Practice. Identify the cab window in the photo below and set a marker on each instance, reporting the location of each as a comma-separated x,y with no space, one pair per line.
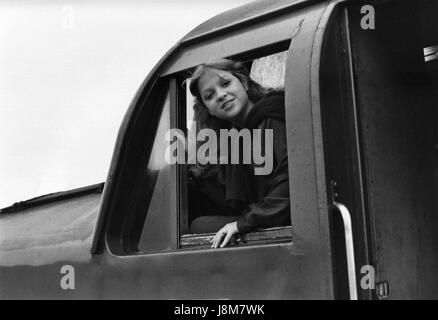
163,222
268,71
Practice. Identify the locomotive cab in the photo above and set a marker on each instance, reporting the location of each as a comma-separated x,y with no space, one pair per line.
361,130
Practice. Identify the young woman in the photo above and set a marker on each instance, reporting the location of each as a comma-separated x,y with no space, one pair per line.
229,199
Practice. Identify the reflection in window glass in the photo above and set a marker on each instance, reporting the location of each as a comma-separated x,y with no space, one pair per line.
269,71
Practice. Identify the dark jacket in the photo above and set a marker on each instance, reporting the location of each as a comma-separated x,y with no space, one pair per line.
267,196
257,201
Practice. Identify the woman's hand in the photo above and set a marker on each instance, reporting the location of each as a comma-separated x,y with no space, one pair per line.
228,231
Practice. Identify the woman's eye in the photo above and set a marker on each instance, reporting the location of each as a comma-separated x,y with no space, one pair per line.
208,96
225,83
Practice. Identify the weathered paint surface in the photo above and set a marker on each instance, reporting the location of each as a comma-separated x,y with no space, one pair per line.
398,111
49,233
259,272
268,272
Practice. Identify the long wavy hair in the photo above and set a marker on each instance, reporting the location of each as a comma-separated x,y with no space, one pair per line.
201,114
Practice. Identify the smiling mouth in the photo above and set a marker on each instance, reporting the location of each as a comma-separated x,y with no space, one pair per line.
227,104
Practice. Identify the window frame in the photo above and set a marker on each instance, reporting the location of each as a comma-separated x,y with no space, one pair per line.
239,44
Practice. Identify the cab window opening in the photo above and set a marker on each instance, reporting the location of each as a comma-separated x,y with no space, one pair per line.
162,220
206,209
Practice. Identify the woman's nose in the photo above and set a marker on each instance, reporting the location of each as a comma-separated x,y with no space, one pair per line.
221,95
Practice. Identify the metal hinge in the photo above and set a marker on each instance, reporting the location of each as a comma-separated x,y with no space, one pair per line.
382,289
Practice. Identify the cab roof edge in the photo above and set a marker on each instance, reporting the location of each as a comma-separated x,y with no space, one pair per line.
53,197
239,23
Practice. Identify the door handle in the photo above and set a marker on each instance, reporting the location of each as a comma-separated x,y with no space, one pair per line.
346,218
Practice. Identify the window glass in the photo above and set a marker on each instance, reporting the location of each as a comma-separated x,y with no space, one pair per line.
157,233
269,71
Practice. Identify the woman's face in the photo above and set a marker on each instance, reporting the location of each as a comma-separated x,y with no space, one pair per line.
224,95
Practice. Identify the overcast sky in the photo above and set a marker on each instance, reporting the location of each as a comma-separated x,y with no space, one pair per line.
68,71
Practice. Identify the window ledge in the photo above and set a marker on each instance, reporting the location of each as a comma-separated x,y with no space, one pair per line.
263,236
